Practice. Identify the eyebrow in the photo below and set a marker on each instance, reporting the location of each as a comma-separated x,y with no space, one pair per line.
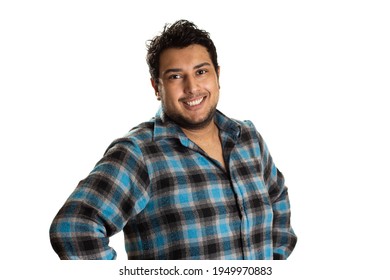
174,70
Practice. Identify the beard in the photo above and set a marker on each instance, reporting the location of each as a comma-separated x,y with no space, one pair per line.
189,124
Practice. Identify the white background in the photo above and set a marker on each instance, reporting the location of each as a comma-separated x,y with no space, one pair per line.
312,75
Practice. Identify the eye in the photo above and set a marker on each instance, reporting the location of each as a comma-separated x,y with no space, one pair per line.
201,72
174,77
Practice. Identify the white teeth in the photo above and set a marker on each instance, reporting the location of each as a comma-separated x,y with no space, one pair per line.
195,102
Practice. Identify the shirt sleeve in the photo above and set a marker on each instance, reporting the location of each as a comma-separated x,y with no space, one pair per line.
283,236
101,205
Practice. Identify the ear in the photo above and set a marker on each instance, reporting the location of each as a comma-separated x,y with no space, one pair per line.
218,72
155,87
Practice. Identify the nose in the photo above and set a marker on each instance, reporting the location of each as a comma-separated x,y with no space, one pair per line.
191,85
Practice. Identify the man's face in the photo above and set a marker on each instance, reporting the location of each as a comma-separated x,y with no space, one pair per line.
188,86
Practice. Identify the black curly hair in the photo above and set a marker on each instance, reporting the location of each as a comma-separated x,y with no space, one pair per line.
180,34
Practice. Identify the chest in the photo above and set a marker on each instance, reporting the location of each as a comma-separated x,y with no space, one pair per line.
186,187
177,168
214,151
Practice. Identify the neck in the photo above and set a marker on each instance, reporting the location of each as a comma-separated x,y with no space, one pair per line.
206,133
208,140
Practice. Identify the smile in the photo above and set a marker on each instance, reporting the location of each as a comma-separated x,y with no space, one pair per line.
194,102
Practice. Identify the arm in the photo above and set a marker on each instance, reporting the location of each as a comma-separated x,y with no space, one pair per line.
283,236
101,205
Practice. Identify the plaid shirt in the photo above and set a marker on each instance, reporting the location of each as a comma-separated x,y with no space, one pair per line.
175,202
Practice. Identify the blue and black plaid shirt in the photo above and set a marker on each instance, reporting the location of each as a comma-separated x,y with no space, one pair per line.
175,202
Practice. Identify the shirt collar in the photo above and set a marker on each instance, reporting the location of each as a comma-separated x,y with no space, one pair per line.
165,128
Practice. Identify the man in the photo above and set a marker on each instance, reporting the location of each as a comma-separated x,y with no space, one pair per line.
190,183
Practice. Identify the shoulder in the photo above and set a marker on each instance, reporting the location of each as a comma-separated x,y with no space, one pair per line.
141,133
248,130
245,124
251,137
137,137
